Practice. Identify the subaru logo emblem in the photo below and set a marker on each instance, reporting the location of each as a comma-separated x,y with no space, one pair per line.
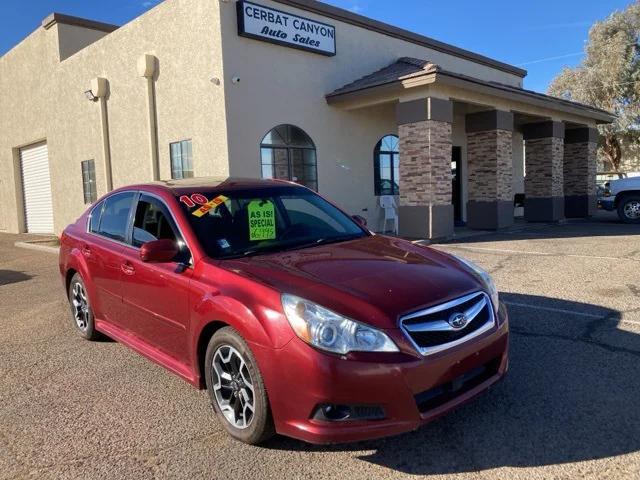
458,321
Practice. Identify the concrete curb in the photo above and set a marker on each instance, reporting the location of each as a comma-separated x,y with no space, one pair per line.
35,246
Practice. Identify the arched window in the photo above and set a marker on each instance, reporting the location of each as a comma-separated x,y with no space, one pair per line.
288,153
386,164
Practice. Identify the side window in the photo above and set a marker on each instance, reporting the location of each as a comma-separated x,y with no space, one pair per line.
181,159
94,219
151,223
288,153
386,166
115,216
89,181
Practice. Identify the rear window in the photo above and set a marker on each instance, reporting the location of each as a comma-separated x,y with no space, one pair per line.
94,218
115,216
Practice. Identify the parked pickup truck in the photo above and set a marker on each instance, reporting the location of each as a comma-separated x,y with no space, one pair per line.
624,196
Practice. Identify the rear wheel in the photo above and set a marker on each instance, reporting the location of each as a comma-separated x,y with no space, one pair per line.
629,209
83,319
236,388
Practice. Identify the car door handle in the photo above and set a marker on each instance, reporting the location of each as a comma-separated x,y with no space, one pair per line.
86,250
127,268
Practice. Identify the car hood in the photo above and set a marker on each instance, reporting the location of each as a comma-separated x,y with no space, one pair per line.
374,279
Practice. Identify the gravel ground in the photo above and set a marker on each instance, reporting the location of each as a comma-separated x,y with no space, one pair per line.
568,408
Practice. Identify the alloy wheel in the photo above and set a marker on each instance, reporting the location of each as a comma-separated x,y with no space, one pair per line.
632,209
80,307
233,386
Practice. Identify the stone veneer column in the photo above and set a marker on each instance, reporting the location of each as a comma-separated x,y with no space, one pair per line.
425,208
544,183
580,147
490,169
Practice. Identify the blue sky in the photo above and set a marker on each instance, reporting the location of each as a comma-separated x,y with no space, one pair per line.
541,36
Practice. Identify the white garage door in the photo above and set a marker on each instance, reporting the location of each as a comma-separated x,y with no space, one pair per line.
36,185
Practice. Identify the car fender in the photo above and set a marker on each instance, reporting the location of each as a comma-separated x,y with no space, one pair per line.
259,326
75,261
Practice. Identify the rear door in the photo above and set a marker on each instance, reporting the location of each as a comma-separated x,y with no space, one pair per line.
102,249
156,295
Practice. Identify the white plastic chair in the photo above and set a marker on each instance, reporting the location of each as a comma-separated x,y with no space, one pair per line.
388,205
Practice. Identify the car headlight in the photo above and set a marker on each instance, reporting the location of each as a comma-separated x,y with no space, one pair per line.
329,331
484,278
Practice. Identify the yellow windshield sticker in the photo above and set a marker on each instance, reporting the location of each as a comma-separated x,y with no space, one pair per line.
262,220
207,207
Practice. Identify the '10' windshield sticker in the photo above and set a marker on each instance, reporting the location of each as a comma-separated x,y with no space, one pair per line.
262,224
205,205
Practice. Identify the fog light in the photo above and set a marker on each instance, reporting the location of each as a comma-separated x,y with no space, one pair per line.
333,413
330,412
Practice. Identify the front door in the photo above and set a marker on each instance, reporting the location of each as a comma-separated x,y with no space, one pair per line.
456,187
156,295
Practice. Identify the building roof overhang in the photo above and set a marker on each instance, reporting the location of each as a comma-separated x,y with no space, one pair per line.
61,18
407,73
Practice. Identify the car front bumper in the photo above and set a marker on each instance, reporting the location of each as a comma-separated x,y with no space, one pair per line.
411,390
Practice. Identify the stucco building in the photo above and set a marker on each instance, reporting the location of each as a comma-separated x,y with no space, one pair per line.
294,89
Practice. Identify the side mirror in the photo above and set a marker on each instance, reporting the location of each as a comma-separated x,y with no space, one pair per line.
360,220
159,251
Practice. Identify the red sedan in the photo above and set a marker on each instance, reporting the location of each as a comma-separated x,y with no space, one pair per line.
294,317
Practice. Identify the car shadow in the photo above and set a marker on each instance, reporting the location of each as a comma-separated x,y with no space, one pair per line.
570,395
12,276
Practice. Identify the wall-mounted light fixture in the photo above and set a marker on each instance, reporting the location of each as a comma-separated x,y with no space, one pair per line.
90,96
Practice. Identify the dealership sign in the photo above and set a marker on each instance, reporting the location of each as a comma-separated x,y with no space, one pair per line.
275,26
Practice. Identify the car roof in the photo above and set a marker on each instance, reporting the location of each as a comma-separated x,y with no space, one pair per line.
188,185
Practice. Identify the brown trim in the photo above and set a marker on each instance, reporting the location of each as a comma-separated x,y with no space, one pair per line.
440,110
489,120
411,112
580,206
544,209
430,108
399,33
548,129
426,221
489,215
54,18
581,135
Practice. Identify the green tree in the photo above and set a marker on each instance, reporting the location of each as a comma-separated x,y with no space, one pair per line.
609,78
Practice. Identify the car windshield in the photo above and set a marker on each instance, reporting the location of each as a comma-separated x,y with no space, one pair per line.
241,223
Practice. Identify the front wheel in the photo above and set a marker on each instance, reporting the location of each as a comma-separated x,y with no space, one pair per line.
236,388
629,209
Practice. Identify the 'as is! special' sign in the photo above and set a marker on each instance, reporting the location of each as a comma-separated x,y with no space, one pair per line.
271,25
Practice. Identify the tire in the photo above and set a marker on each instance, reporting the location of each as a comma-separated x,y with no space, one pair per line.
629,209
81,312
228,354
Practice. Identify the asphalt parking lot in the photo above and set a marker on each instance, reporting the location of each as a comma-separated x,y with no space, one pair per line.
568,408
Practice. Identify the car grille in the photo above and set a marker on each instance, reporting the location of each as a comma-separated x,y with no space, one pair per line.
435,329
